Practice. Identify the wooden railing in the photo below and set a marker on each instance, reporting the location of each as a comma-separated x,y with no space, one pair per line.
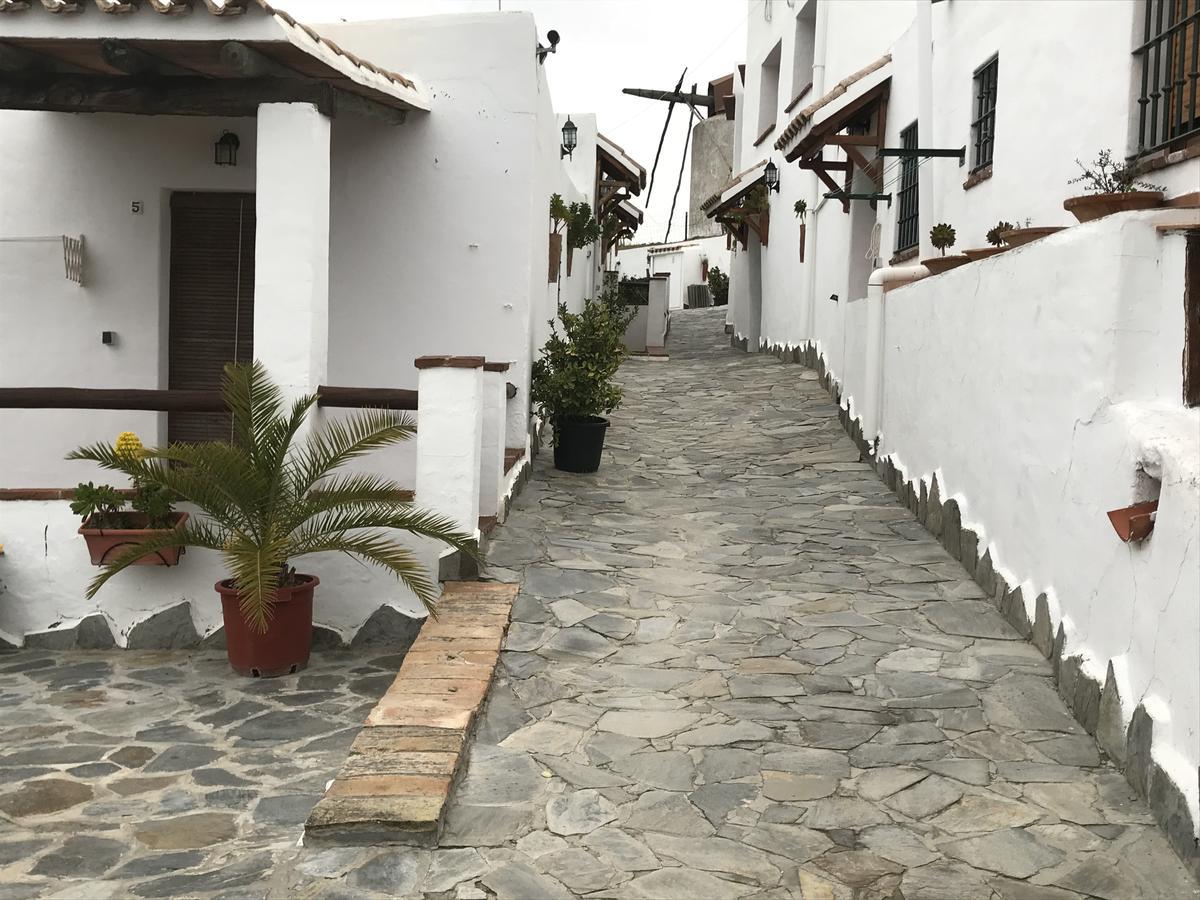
195,401
187,401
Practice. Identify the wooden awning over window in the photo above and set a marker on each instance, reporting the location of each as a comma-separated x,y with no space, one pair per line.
184,57
727,206
851,117
835,110
735,190
618,176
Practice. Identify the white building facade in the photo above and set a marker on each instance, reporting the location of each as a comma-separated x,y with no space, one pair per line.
1036,389
389,203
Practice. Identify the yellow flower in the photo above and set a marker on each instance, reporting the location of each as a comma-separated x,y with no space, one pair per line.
130,445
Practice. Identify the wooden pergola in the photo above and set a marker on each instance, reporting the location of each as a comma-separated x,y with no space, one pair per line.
185,58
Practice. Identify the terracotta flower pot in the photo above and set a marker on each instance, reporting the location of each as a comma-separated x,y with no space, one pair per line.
1096,206
106,544
979,253
1021,236
1134,523
939,264
284,648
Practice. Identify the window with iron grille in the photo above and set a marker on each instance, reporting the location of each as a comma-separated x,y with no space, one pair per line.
1169,100
907,219
983,128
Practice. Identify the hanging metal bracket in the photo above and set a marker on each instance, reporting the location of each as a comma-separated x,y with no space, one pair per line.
72,251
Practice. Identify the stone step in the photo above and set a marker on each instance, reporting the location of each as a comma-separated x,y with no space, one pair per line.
397,778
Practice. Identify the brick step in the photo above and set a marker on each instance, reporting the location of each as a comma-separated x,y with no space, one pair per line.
512,456
396,780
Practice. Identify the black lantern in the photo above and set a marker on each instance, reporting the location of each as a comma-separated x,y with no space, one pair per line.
570,139
225,149
771,175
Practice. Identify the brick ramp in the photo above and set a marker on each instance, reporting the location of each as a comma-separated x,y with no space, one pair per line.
395,783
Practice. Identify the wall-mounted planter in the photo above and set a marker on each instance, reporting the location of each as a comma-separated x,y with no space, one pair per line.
555,256
106,544
1096,206
1020,236
979,253
1134,523
939,264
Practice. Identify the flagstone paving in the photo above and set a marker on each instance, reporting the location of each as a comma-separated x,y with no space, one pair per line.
739,669
163,774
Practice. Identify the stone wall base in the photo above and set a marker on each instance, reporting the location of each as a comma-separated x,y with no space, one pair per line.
1097,707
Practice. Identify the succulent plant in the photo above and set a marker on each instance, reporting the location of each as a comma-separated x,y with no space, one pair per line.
942,236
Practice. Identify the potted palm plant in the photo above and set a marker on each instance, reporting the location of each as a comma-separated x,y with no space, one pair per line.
1111,187
268,500
942,237
572,380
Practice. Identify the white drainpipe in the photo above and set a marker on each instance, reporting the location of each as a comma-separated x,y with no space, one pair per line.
926,136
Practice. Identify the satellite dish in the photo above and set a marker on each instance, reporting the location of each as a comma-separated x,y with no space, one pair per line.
552,37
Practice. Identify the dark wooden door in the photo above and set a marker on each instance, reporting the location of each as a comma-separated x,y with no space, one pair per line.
211,301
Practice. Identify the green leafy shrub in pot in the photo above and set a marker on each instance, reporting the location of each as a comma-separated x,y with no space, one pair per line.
573,375
1104,175
718,285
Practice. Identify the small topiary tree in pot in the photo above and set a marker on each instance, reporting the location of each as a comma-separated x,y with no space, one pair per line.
266,500
572,379
718,285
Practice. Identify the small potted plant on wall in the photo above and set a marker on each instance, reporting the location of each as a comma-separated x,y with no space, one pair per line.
267,502
995,240
108,528
1111,187
1027,234
800,208
572,379
558,218
942,237
582,229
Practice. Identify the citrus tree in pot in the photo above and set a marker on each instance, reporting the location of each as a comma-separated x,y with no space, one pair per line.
572,379
268,499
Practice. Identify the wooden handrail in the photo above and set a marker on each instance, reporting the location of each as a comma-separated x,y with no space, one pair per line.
107,398
362,398
194,400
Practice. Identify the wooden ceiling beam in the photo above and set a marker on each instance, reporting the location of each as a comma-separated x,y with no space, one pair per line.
183,95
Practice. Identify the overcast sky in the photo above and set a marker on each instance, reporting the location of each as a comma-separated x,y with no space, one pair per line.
607,45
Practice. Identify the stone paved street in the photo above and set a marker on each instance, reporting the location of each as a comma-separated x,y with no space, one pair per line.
739,669
162,774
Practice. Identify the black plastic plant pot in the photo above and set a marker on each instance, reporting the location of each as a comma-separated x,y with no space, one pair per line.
579,440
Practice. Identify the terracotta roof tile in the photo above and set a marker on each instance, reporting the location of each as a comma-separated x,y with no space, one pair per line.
805,115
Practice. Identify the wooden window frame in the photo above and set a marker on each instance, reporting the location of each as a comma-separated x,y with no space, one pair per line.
908,202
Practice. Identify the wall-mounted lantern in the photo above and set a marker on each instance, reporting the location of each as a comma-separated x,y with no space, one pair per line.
771,176
570,139
225,150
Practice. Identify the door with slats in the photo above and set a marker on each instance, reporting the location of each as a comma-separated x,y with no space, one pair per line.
211,304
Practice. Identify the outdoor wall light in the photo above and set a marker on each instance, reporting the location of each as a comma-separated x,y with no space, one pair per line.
771,174
225,149
570,139
552,38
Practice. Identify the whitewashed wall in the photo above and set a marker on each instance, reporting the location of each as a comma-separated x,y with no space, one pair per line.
1035,384
79,175
440,223
1036,399
438,245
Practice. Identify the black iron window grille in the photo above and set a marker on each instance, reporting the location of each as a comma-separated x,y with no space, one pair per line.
983,128
907,219
1169,102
